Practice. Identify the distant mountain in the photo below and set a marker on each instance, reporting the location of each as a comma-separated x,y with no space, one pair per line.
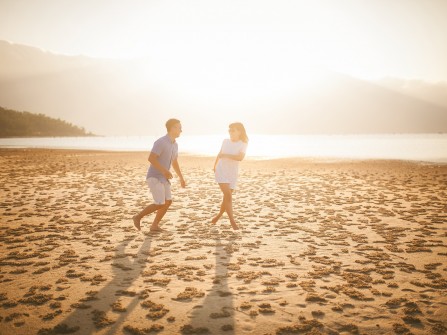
104,96
344,104
25,124
123,98
431,92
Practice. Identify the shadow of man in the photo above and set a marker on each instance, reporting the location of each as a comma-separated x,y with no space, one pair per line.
125,273
217,313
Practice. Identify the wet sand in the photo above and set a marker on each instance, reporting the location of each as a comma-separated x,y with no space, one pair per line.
326,247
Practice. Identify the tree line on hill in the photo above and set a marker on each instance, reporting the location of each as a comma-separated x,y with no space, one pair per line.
26,124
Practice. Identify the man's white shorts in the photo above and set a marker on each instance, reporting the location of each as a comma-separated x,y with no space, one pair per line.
160,191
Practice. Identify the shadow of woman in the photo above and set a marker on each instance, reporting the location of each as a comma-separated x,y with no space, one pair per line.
217,313
125,273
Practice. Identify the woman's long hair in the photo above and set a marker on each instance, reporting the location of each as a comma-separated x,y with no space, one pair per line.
240,127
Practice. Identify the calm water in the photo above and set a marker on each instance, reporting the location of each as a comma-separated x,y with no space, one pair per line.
420,147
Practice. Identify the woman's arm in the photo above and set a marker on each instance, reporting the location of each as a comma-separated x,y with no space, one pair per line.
217,159
237,157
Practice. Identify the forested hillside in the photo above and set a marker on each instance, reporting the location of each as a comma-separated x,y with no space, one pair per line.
25,124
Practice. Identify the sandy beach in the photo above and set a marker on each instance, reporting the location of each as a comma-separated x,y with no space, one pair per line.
325,247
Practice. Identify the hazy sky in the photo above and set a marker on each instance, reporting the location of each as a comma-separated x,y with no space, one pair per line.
233,39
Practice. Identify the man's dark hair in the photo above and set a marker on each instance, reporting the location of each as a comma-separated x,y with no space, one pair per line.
170,123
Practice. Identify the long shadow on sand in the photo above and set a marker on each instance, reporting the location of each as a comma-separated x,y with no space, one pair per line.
125,272
217,313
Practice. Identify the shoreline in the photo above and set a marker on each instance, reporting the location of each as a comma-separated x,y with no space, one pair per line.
295,159
411,147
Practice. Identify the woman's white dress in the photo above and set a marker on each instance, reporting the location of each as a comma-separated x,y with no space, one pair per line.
227,169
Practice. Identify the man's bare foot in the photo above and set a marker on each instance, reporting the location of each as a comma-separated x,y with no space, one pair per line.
136,222
156,229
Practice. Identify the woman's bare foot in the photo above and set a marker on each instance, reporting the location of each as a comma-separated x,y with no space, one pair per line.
136,222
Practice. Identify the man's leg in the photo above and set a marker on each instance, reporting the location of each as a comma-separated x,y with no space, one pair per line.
157,190
160,214
166,190
146,211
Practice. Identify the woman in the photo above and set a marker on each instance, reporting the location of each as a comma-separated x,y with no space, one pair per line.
226,168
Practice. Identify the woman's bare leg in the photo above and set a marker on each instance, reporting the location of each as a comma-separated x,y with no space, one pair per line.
228,203
219,215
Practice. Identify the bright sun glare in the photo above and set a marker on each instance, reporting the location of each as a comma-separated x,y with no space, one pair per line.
237,70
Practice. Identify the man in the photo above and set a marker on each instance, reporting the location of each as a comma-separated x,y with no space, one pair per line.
164,153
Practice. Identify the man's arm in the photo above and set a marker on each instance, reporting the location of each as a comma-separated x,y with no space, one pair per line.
153,159
177,170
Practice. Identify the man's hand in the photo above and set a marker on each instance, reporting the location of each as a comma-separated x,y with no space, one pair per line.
182,183
167,174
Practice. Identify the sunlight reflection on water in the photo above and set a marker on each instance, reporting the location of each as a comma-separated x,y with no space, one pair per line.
424,147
